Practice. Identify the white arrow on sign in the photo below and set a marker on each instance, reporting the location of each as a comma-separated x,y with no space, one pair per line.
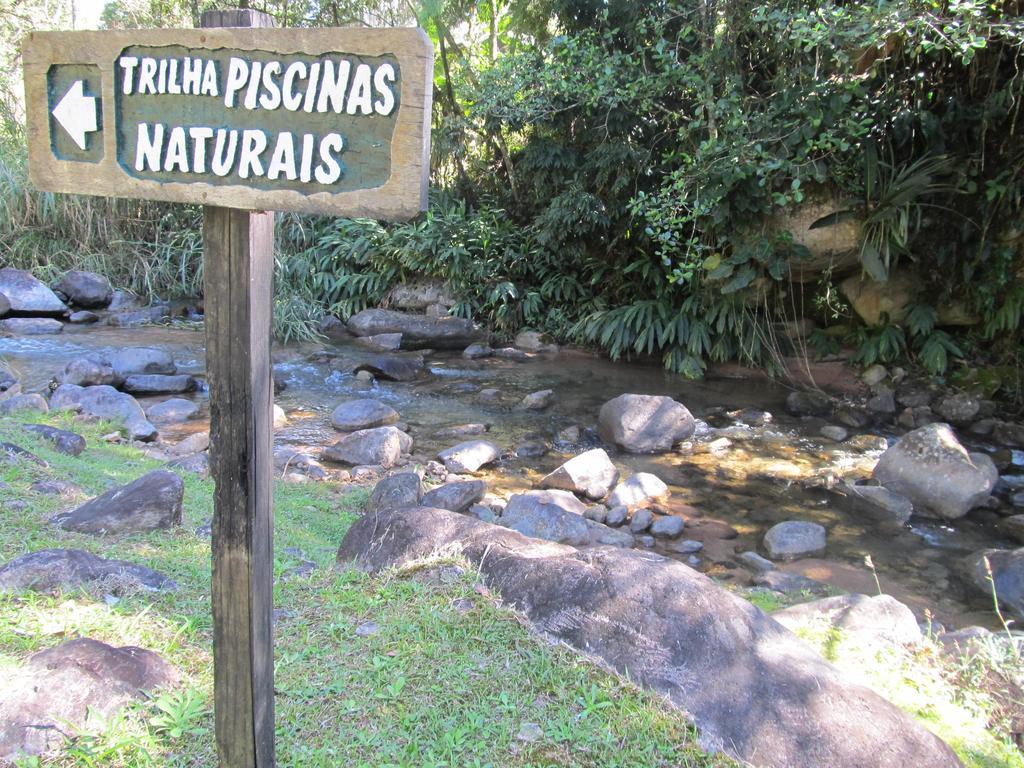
77,113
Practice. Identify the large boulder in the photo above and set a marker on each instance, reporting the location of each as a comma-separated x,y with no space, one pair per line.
644,423
85,289
590,473
173,411
28,296
398,491
552,515
31,326
33,402
50,569
143,360
469,456
158,384
367,413
416,330
455,497
1007,576
751,688
89,372
393,367
105,402
794,539
868,621
150,503
78,684
931,468
382,446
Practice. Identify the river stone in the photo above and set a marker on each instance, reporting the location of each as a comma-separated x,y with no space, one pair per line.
1007,573
590,473
154,314
397,491
194,443
456,497
868,621
156,384
76,685
535,341
83,317
382,446
668,527
931,468
89,372
794,539
641,520
880,501
392,367
196,464
477,351
809,403
173,411
755,562
50,569
31,326
1009,434
33,403
537,401
786,583
381,342
617,516
958,409
85,289
143,361
832,432
28,296
774,702
61,440
417,330
552,515
511,353
638,489
150,503
469,456
644,423
366,413
105,402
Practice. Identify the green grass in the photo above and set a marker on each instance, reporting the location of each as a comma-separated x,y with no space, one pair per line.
448,679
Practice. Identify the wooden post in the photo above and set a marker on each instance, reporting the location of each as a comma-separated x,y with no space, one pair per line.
238,264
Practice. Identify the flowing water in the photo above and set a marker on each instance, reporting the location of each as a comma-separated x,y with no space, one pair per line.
764,472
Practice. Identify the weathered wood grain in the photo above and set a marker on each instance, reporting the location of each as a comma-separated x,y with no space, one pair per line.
401,197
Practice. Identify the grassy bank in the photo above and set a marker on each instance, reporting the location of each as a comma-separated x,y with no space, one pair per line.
448,679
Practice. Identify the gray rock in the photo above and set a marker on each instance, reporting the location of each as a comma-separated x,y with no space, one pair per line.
477,351
531,449
470,456
881,502
50,569
638,489
85,289
535,341
668,527
489,396
958,409
641,520
24,403
61,440
590,473
381,342
794,539
365,413
537,401
31,326
809,404
685,547
1009,434
617,516
1007,576
105,402
682,632
912,396
157,384
932,469
122,300
852,417
597,512
867,443
787,583
392,367
486,514
196,464
288,461
155,314
833,433
416,330
78,682
644,423
756,562
398,491
382,446
868,621
602,535
173,411
5,305
194,443
511,353
455,497
28,296
89,372
138,361
15,454
83,317
874,375
883,404
552,515
152,502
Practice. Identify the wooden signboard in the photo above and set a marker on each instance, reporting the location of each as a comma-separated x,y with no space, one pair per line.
244,119
313,120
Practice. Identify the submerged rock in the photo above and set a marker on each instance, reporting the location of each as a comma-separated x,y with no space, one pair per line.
881,502
50,569
537,401
931,468
152,502
774,702
644,423
590,473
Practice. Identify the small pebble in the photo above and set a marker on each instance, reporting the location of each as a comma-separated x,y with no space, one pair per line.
367,628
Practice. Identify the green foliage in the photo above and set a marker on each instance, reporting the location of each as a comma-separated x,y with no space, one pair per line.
180,713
